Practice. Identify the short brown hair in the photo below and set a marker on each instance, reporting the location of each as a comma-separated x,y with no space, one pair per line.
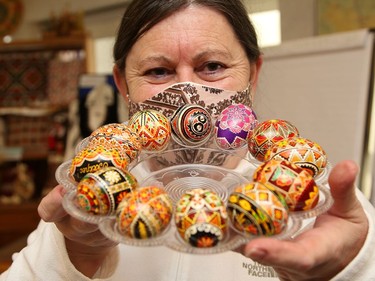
142,15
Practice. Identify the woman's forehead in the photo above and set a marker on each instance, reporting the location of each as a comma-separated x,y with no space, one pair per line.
195,30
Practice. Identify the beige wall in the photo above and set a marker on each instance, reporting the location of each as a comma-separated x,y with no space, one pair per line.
298,19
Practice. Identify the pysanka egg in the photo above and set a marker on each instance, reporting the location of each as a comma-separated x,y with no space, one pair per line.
233,126
297,185
267,133
254,209
300,151
191,125
144,213
103,153
99,193
123,134
201,218
153,128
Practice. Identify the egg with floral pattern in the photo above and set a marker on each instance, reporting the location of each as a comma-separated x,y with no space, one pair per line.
233,126
254,209
201,218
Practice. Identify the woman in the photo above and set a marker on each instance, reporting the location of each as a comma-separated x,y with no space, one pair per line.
208,42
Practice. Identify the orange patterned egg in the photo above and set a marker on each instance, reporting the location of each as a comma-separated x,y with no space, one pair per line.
104,153
153,128
121,133
144,213
267,133
201,218
257,210
300,151
99,193
294,183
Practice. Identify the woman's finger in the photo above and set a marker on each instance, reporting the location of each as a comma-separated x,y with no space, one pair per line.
50,208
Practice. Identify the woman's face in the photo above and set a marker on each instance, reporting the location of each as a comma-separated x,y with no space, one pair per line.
196,45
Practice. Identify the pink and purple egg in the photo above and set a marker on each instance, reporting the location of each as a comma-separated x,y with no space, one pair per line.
233,126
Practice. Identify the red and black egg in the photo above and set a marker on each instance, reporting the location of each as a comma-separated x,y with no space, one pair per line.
191,125
296,184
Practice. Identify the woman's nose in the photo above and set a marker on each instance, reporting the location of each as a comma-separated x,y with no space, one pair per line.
186,75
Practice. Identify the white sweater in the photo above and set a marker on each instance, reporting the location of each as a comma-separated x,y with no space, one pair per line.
46,259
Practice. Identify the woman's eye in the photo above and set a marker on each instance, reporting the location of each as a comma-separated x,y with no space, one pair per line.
211,68
157,72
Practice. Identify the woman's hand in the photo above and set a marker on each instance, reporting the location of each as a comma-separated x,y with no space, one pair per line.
86,246
322,252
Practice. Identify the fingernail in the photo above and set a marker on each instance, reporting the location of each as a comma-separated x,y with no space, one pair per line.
256,253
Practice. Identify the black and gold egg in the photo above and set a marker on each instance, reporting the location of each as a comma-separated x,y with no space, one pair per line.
99,193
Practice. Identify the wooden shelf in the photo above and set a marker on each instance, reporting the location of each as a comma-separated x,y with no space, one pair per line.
84,43
17,220
57,43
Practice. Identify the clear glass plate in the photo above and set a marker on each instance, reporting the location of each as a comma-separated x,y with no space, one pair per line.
325,202
178,171
63,178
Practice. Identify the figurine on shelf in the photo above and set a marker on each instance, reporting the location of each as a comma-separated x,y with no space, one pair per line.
65,24
22,186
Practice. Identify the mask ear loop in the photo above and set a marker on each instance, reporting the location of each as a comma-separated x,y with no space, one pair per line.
128,96
249,92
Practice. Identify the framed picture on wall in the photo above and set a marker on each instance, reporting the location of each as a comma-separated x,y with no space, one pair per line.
344,15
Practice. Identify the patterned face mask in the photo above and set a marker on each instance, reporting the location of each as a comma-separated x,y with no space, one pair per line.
213,99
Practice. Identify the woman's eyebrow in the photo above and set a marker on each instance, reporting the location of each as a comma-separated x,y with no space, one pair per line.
211,52
158,59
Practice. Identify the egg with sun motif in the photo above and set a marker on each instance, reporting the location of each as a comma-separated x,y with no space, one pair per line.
303,152
100,193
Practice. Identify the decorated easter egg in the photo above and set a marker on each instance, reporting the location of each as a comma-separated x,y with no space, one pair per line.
201,218
99,193
153,128
233,126
144,213
267,133
104,153
129,140
191,125
300,151
297,185
254,209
